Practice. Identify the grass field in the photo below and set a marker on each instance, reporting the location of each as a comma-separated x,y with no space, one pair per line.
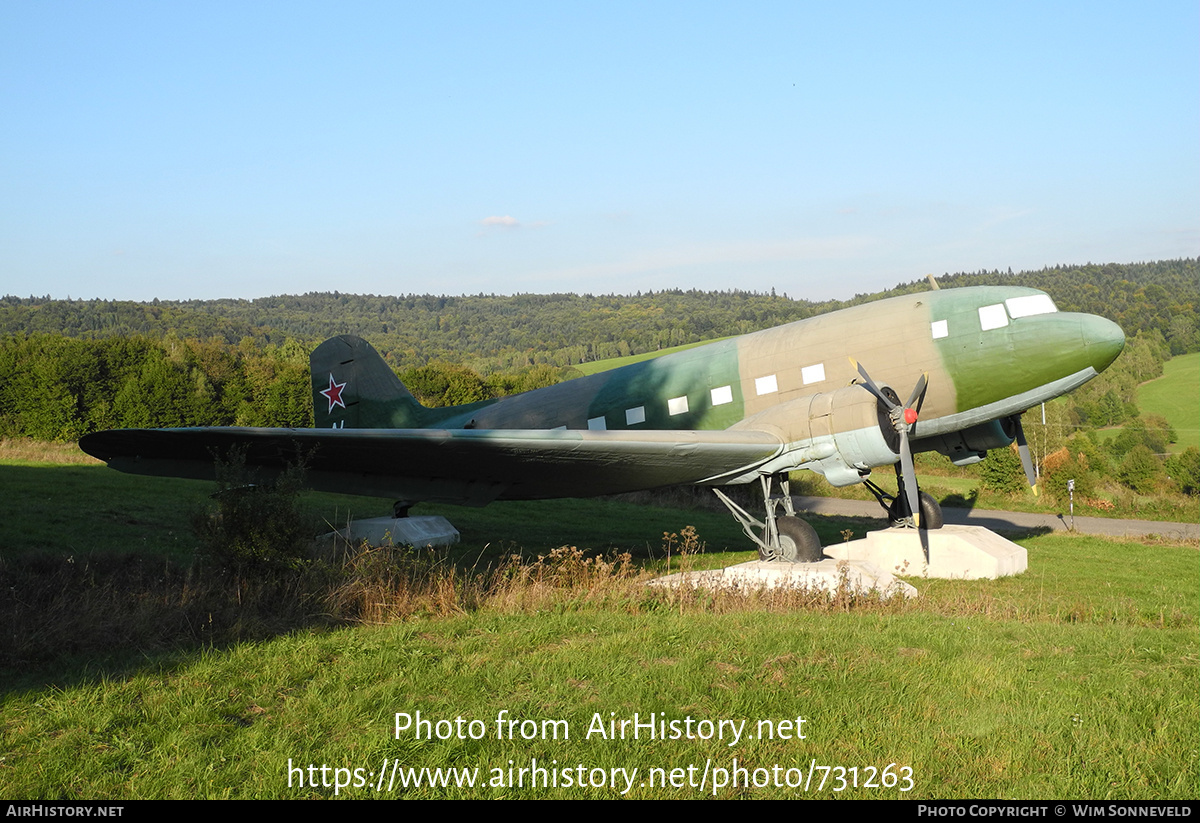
1176,396
616,362
1077,679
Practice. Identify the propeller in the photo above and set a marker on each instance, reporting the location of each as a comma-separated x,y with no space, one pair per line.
1023,450
902,417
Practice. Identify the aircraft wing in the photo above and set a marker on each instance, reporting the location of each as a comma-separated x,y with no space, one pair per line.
448,465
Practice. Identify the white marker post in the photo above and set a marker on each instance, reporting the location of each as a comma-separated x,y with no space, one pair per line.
1071,489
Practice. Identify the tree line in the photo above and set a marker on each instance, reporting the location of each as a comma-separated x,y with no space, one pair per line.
60,388
497,333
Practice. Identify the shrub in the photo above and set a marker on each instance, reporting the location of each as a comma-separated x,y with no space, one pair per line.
1071,466
1001,471
254,526
1090,450
1140,470
1153,432
1185,470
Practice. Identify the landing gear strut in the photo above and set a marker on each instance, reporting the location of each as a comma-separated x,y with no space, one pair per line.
783,537
931,513
897,509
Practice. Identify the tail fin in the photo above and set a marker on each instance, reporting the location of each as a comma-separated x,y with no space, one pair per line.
353,388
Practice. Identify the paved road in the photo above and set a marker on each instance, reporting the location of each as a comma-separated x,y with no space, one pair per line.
999,521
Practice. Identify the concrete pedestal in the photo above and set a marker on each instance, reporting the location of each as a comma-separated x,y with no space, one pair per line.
955,552
826,575
874,563
420,532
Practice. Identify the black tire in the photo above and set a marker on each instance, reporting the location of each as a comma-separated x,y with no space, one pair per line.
798,542
931,512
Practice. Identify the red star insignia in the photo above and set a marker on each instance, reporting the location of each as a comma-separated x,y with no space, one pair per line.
334,393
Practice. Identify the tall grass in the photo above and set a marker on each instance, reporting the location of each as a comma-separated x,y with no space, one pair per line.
28,450
58,607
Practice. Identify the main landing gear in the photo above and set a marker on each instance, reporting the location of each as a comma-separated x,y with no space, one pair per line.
783,537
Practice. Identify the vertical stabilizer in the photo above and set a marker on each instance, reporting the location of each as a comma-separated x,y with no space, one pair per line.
354,389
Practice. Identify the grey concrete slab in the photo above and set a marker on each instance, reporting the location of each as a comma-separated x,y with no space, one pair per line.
418,531
857,576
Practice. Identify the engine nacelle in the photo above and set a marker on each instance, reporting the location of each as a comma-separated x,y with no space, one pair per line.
969,445
843,434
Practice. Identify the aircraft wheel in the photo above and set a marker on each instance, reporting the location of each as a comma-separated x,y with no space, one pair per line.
798,541
931,512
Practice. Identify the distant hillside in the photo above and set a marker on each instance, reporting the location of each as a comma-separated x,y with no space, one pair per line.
499,332
1175,396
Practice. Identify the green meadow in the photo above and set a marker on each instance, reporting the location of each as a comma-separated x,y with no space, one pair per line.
1176,396
128,672
597,366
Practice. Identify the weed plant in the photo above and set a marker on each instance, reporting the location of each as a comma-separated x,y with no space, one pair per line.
255,527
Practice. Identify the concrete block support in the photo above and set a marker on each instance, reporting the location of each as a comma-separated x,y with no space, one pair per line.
955,552
420,532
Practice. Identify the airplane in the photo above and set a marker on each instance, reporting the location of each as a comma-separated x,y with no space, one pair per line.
746,409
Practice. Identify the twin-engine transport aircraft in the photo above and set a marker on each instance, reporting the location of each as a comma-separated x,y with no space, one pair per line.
821,394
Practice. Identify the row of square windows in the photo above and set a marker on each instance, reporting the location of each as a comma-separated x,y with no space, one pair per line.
990,317
718,396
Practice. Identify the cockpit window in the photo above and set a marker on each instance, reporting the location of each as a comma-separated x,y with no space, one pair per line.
1030,304
992,317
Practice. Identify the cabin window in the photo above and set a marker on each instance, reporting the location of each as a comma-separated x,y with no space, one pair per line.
1029,305
677,405
766,385
992,317
722,395
597,424
940,329
635,415
813,374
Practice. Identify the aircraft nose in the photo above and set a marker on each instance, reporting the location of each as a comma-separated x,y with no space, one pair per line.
1103,339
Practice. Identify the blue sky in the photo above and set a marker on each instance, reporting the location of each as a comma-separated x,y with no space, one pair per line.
200,150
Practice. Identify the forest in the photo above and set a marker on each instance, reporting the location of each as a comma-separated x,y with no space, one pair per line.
489,333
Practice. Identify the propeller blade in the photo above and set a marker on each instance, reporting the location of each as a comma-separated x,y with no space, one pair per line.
909,474
917,391
906,478
870,384
1023,450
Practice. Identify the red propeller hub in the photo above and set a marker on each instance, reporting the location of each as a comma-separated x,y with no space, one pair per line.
910,416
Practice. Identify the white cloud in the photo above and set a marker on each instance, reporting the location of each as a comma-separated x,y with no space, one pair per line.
506,221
